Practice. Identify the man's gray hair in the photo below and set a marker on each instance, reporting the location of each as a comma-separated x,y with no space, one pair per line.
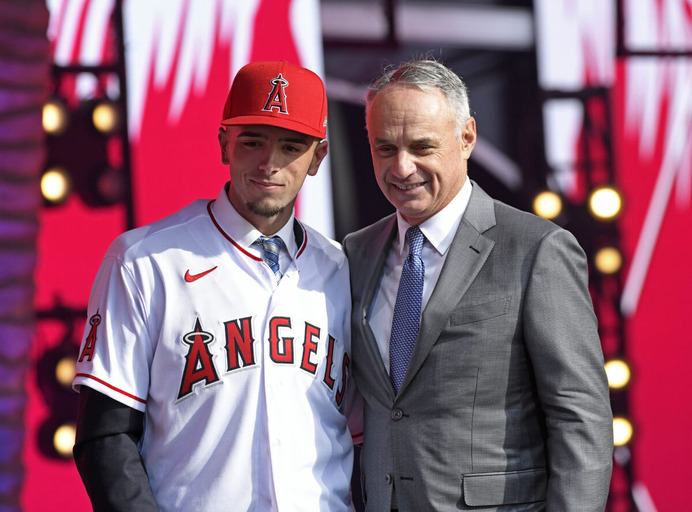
428,74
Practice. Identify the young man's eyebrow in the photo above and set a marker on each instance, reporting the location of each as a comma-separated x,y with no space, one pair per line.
295,140
248,133
292,140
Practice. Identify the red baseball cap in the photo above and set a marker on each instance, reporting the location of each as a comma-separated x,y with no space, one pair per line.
277,94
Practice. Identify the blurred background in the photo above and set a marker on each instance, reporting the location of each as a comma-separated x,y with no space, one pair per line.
108,118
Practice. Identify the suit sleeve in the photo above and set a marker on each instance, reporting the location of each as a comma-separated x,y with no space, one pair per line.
354,401
560,330
107,457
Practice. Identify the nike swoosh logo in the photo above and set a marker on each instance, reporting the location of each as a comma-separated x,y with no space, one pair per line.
191,278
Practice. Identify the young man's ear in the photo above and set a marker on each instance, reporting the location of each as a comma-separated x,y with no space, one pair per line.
320,153
223,143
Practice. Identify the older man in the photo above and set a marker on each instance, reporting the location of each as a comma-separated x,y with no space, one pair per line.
475,344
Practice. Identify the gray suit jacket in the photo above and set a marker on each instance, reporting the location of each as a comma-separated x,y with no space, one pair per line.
505,403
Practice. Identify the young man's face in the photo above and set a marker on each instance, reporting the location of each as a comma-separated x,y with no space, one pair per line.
268,167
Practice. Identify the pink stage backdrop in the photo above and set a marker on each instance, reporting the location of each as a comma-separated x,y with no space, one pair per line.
651,102
654,150
181,57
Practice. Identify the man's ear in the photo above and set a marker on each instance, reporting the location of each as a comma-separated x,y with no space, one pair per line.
468,137
320,153
223,143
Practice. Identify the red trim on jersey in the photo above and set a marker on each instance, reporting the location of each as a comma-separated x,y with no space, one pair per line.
218,226
227,237
305,240
111,386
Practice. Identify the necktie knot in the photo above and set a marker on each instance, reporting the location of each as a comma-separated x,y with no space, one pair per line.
415,239
272,247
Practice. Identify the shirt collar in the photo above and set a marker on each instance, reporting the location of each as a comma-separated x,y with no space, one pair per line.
440,229
242,231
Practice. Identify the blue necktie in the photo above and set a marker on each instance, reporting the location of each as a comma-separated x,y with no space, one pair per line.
407,309
272,246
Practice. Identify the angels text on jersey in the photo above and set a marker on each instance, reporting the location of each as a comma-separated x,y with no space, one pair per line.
202,367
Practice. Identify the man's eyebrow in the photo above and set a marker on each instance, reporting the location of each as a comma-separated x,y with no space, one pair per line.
425,140
247,133
295,140
257,135
422,140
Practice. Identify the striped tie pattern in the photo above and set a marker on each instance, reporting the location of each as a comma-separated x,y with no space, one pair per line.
272,246
407,309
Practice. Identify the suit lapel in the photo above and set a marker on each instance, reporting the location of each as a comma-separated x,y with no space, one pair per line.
467,255
370,263
373,260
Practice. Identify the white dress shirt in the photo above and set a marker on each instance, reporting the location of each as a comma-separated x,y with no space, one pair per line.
243,232
439,231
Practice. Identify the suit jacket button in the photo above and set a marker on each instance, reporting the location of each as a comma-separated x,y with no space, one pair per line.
397,414
388,478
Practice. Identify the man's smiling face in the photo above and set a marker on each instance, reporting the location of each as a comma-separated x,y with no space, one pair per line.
419,159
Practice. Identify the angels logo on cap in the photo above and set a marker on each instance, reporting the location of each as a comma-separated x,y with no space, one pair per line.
277,96
260,94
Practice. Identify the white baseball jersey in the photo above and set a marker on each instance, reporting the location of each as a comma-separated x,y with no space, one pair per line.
245,383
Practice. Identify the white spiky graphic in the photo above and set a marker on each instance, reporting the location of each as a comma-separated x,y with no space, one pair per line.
651,83
173,42
576,39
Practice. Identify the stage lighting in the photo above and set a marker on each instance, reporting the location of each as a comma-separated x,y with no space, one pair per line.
85,152
63,440
605,203
105,117
547,204
65,370
55,117
618,373
622,431
56,185
54,372
608,260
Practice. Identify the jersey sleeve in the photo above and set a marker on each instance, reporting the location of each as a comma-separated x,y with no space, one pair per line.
116,351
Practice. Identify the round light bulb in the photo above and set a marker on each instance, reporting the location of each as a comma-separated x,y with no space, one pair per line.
547,204
55,185
608,260
622,431
63,440
605,203
105,117
618,373
54,117
65,371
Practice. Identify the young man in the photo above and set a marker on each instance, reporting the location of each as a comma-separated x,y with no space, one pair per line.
214,371
475,344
